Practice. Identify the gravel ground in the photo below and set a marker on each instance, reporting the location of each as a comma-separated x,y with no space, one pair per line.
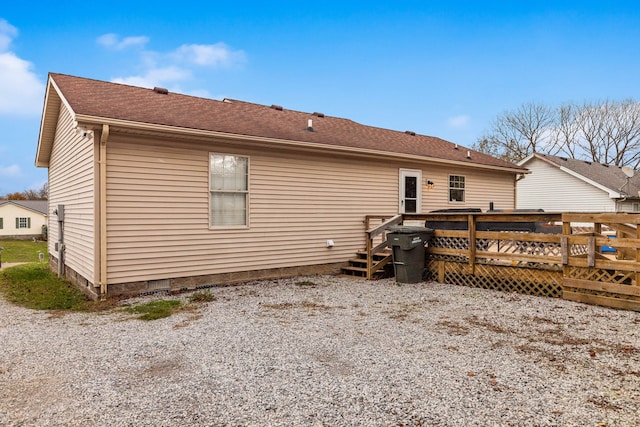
338,352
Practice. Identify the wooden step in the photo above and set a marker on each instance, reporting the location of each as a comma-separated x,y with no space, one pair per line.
377,256
360,272
355,269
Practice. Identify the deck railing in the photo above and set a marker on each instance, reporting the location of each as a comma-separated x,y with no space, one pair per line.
569,255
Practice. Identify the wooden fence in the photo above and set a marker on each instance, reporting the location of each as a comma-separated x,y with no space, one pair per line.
586,257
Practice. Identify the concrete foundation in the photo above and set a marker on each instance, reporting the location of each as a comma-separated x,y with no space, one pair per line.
192,282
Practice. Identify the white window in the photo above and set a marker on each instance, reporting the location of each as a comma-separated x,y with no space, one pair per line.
229,187
23,223
456,188
636,207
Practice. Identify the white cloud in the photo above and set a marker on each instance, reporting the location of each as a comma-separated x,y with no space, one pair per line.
12,171
113,41
170,68
458,122
212,55
21,91
156,77
7,33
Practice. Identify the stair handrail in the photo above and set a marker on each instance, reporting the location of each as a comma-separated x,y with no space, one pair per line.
371,234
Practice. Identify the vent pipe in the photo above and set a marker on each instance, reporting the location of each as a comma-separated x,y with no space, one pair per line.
310,125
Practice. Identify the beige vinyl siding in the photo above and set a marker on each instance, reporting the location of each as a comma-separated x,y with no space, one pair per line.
481,187
159,226
71,175
548,187
158,209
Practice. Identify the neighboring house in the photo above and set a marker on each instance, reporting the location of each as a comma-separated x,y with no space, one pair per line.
22,219
560,184
160,190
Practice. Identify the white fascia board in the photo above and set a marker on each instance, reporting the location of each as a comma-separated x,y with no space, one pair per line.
526,159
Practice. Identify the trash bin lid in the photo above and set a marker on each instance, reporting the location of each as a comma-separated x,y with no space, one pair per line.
409,229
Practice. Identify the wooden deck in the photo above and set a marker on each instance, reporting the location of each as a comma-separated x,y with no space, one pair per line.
576,261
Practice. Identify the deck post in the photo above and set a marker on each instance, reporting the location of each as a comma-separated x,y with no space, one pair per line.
566,246
441,266
472,243
369,256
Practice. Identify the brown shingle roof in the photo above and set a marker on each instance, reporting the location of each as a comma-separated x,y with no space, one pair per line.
117,101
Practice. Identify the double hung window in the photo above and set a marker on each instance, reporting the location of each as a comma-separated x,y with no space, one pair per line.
456,188
229,189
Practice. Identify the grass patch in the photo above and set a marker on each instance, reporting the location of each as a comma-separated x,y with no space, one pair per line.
23,250
155,309
35,286
202,296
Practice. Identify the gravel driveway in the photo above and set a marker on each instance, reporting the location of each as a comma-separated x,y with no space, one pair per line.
339,352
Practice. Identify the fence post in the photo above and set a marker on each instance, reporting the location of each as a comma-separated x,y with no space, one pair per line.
566,254
472,243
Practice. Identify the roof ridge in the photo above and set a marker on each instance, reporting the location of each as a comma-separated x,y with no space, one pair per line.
572,159
134,104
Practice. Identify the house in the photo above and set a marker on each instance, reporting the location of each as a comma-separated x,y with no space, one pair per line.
560,184
152,190
22,219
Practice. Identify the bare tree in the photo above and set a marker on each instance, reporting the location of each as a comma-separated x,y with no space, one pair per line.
31,194
518,133
605,132
567,130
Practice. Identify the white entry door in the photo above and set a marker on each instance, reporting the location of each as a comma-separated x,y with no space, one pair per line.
410,191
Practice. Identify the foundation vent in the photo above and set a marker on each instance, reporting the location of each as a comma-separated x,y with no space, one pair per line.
159,285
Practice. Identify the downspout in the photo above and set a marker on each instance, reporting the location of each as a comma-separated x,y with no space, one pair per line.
102,206
517,178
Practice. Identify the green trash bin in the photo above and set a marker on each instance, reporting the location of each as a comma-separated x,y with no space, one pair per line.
409,253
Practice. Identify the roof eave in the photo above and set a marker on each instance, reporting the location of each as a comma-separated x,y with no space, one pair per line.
53,99
149,127
13,202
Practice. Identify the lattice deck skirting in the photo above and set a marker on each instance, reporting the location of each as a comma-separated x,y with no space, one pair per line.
607,287
498,277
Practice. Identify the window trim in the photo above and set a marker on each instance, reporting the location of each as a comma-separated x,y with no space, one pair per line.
402,174
247,193
464,188
23,219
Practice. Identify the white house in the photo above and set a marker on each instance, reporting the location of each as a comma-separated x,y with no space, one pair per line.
569,185
22,219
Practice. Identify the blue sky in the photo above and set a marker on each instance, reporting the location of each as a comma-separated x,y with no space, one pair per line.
438,68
